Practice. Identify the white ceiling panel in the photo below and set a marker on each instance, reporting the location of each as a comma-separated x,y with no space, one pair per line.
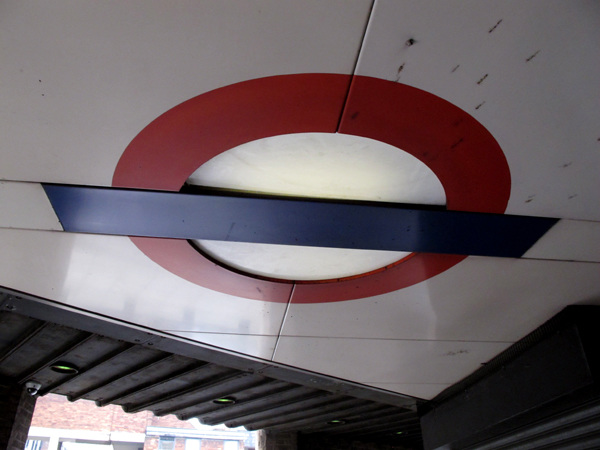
376,361
569,240
109,275
527,71
25,205
80,79
480,299
254,345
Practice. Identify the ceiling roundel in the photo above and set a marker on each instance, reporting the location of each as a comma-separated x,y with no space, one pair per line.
463,155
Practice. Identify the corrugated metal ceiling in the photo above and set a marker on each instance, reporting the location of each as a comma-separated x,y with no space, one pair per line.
143,370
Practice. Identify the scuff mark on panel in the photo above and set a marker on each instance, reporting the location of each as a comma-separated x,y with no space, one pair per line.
400,69
491,30
456,144
458,352
532,56
229,231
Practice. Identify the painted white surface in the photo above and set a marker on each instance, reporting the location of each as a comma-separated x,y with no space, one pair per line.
569,240
324,165
258,346
80,79
480,299
25,205
543,112
292,262
109,275
379,361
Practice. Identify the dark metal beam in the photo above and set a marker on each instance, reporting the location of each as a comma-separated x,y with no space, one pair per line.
126,373
110,356
151,386
159,398
265,388
302,408
23,339
324,414
212,391
404,426
267,403
56,356
385,416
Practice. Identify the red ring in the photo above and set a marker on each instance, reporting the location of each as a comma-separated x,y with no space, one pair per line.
461,152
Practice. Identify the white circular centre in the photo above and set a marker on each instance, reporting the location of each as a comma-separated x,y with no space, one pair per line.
320,165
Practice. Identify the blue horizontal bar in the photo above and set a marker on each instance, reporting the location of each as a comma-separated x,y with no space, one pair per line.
293,221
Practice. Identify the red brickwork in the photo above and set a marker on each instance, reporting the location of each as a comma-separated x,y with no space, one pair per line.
151,443
55,411
169,421
208,444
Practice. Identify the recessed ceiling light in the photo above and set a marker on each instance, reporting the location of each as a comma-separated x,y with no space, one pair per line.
65,368
336,422
224,401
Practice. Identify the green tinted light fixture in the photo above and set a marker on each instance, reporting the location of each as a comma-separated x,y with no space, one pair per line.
224,401
64,368
336,422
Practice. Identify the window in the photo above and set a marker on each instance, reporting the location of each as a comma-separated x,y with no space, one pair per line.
231,445
166,443
33,445
193,444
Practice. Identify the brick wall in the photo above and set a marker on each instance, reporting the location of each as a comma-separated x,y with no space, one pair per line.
169,421
151,443
55,411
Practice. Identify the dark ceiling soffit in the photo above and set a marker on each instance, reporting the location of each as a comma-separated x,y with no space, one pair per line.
554,369
231,216
87,322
